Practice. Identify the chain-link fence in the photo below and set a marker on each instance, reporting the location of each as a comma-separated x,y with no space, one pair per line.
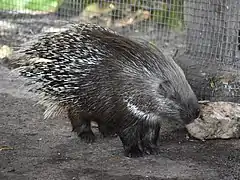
202,35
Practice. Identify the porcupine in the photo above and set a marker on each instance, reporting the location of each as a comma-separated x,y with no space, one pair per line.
127,86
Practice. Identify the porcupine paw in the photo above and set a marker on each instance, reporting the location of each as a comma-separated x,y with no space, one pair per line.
133,152
141,150
151,149
149,143
87,137
131,146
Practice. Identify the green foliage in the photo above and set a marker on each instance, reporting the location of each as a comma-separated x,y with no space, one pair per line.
41,5
214,81
37,5
88,2
170,14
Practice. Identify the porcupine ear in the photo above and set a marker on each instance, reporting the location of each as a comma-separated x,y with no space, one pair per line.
165,89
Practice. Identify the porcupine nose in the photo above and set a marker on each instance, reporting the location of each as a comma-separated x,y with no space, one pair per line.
191,111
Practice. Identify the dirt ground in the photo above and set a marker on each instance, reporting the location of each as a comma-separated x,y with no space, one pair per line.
47,149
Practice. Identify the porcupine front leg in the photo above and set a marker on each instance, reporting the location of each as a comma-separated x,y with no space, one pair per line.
140,138
81,124
149,137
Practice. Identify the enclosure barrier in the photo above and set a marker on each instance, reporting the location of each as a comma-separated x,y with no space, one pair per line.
203,36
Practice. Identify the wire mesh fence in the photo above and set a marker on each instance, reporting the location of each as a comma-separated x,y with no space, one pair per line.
152,20
213,29
202,35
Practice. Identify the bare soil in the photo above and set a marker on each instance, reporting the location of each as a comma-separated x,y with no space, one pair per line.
47,149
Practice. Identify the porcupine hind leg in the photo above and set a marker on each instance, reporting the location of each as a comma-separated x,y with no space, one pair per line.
106,129
81,124
140,138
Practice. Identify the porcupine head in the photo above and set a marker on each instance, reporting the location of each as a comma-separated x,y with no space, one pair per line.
154,89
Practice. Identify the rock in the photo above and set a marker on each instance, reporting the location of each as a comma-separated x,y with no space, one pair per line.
5,51
218,120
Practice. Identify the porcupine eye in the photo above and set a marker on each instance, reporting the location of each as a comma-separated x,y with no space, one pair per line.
164,88
168,92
